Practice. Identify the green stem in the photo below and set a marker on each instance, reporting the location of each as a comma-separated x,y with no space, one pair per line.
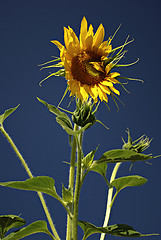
77,192
71,182
31,176
109,199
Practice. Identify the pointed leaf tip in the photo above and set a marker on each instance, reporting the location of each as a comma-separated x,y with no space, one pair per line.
7,113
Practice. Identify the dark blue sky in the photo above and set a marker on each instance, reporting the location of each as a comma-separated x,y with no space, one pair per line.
26,29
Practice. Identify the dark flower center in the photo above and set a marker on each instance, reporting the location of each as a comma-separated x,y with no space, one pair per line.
83,70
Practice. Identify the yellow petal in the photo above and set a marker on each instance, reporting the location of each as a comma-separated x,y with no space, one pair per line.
89,38
75,39
105,89
104,49
97,66
114,74
115,90
83,93
93,92
73,87
113,80
58,44
66,37
72,51
102,95
107,83
83,33
98,37
108,68
89,43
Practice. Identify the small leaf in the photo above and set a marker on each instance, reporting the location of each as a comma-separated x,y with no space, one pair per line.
65,125
63,117
10,221
42,184
129,181
88,159
67,194
119,155
69,130
6,114
36,227
121,230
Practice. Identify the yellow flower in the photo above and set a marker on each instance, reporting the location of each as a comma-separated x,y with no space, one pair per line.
85,63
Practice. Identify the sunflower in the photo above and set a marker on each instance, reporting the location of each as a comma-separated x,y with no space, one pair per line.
86,63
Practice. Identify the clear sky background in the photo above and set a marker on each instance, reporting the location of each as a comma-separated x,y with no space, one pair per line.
26,29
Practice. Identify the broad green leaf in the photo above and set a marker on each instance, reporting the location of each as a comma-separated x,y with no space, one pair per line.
119,155
99,168
121,230
129,181
67,194
6,114
10,221
42,184
36,227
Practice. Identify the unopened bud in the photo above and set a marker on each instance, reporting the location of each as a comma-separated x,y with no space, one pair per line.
139,145
83,114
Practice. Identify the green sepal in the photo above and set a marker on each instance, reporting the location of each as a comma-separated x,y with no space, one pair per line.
67,195
6,114
35,227
10,221
119,155
128,181
121,230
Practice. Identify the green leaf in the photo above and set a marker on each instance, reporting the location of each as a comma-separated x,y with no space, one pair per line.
99,168
10,221
121,230
64,120
42,184
36,227
129,181
67,194
60,115
70,131
6,114
88,159
119,155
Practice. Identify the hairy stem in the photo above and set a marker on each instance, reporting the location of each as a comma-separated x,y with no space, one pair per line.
31,176
71,183
109,199
77,192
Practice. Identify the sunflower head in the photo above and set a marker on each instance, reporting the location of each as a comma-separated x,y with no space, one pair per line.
85,63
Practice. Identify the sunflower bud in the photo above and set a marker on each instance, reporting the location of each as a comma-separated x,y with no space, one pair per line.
83,113
139,145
